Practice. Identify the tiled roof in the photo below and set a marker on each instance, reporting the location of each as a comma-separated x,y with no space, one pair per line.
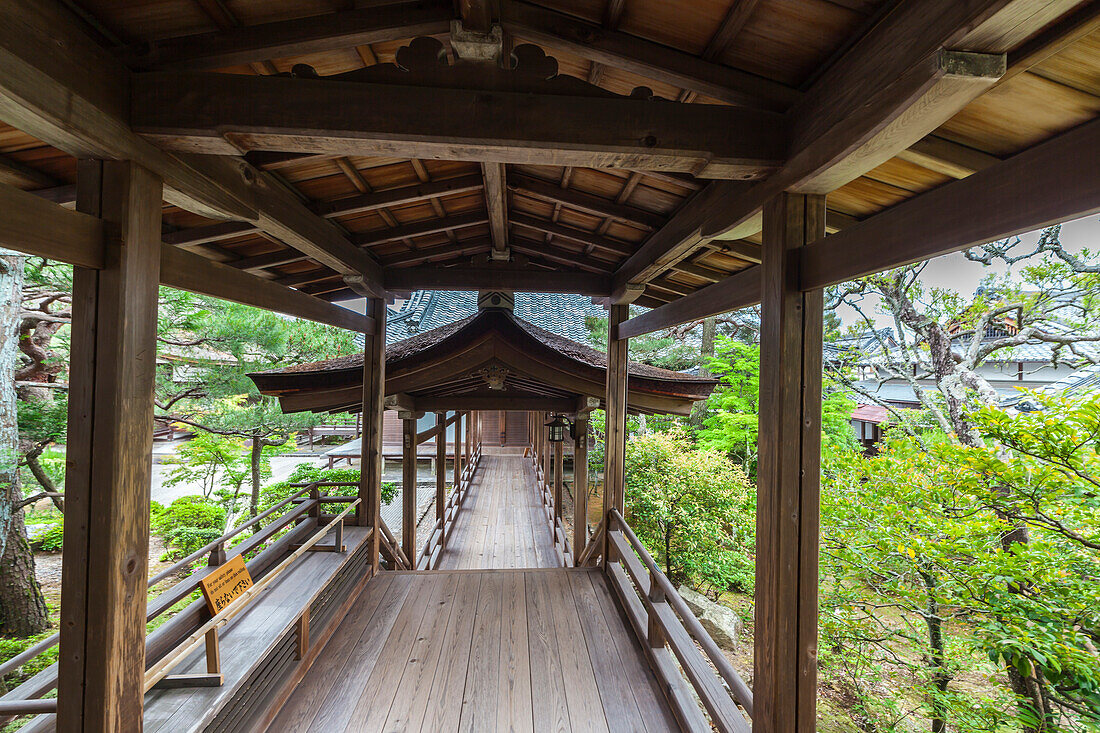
559,313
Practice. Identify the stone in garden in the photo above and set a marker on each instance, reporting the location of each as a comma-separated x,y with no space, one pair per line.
721,623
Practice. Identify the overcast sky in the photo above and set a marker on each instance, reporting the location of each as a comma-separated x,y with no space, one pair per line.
956,272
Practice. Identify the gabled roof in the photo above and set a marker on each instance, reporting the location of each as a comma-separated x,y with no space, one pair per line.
561,313
490,360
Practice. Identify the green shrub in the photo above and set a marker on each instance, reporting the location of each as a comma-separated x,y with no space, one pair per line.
189,511
48,540
305,472
10,647
182,541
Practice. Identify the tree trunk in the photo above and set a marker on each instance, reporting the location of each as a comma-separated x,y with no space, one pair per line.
22,608
938,657
254,462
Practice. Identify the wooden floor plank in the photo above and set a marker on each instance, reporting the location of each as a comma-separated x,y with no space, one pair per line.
479,701
415,684
586,711
500,524
550,709
450,678
514,692
333,711
380,686
646,689
298,713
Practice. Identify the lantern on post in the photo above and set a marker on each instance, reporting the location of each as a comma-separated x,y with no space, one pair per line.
557,426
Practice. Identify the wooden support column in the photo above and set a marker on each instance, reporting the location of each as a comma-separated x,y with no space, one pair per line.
371,461
787,512
457,450
559,484
408,483
441,472
580,486
615,401
101,666
469,435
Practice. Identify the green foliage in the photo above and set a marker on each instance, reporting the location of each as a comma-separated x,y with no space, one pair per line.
49,540
208,460
11,647
927,576
733,408
188,523
307,472
660,349
694,509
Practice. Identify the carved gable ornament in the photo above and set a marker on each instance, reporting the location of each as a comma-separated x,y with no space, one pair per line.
424,63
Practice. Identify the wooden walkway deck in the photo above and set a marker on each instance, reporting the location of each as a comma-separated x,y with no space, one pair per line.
492,650
501,523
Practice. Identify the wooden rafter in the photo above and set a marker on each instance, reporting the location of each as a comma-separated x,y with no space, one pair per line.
644,58
288,38
887,93
495,278
77,102
223,113
496,203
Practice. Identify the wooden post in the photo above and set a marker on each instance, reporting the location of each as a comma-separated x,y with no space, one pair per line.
408,484
469,436
101,666
457,458
787,513
559,484
615,434
371,461
580,486
441,474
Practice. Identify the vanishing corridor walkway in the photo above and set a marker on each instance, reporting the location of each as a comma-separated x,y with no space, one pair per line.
488,650
502,523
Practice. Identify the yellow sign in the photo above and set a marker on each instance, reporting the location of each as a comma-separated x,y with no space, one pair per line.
225,584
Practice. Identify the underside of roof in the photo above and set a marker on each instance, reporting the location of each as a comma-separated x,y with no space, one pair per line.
493,361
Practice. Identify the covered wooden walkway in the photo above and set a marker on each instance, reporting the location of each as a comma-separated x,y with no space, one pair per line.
481,650
502,523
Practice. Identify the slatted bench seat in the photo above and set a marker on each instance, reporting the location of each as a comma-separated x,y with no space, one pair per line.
258,647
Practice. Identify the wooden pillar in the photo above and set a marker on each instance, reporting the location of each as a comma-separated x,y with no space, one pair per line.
787,509
408,484
101,666
371,463
615,433
469,436
441,472
580,485
559,483
457,450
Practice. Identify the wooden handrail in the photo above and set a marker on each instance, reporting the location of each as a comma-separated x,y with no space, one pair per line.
594,548
394,545
13,708
155,673
741,692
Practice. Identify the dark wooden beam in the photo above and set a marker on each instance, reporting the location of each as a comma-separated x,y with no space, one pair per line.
78,101
736,17
201,112
739,290
189,271
1053,182
889,91
592,239
11,168
562,256
493,278
420,228
375,200
33,225
586,202
496,203
209,233
459,402
448,251
295,37
373,408
646,59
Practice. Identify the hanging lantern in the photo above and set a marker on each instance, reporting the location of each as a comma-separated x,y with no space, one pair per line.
557,427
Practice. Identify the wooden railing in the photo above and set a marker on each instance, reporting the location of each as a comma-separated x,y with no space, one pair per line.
432,552
663,621
26,698
558,535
